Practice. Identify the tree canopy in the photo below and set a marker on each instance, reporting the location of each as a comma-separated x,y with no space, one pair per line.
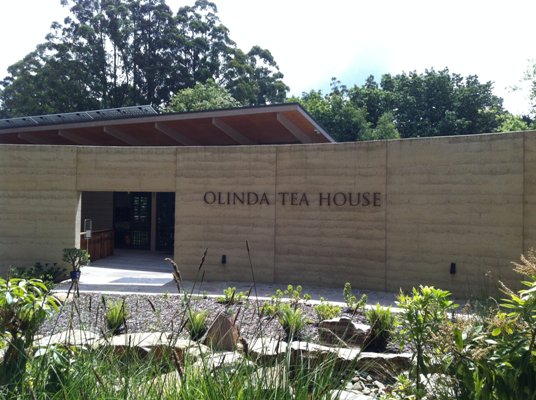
111,53
203,96
432,103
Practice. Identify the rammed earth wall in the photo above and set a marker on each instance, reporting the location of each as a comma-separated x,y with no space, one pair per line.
382,215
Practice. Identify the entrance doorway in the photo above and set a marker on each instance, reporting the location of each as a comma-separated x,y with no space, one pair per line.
131,220
144,220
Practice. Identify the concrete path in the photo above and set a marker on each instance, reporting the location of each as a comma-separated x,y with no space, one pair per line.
148,273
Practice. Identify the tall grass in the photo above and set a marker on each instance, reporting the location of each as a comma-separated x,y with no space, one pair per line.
62,371
66,372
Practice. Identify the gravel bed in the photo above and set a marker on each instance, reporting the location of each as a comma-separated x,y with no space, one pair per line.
150,313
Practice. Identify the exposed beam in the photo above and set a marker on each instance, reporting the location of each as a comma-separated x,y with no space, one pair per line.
122,136
172,133
76,138
231,132
292,128
32,138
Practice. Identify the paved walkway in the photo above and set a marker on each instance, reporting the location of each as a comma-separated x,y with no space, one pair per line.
138,272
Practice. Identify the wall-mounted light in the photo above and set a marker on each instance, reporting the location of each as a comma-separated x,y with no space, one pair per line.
224,259
452,268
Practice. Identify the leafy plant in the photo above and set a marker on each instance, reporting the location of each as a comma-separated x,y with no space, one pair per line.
231,296
326,310
47,273
197,324
292,320
497,359
352,303
295,295
423,313
116,315
24,304
271,308
381,321
75,257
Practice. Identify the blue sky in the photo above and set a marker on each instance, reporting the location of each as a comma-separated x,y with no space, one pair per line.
314,40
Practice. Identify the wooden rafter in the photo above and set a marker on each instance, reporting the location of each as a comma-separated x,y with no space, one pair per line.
175,135
76,138
231,132
123,136
292,128
32,138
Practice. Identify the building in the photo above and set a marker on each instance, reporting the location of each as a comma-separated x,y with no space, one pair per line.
449,211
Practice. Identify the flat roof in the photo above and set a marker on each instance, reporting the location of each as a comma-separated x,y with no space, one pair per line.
261,125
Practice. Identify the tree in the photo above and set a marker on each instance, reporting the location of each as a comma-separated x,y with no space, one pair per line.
407,105
207,96
345,117
254,78
44,83
111,53
514,123
440,103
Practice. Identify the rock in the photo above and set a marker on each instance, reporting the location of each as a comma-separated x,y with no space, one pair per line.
189,349
314,354
159,345
231,360
357,386
267,351
349,395
70,337
269,377
222,335
140,339
167,385
383,365
62,297
342,330
379,385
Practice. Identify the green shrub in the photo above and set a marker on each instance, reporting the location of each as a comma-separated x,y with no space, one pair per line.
295,295
496,359
292,320
422,316
47,273
24,305
75,258
116,315
352,303
326,310
381,321
231,296
197,324
271,308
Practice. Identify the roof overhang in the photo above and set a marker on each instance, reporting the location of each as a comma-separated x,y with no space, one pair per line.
274,124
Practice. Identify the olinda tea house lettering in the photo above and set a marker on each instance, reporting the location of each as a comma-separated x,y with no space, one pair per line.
322,199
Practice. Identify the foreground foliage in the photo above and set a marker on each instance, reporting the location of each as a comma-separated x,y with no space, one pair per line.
487,355
24,304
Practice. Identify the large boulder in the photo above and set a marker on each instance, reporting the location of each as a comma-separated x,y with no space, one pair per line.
71,337
383,365
349,395
230,360
267,351
343,331
222,335
312,354
158,345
